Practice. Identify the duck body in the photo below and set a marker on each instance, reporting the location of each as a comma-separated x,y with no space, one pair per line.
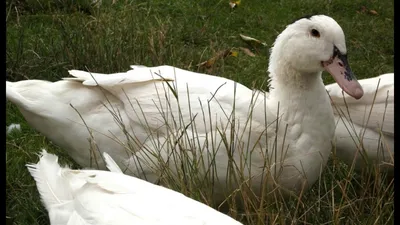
216,95
83,197
365,127
154,112
284,135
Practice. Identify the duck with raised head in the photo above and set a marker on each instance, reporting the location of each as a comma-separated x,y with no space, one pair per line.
284,136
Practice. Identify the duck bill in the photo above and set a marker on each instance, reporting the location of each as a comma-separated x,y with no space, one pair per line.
340,70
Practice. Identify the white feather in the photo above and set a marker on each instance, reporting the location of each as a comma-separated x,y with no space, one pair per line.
13,127
54,190
83,197
111,164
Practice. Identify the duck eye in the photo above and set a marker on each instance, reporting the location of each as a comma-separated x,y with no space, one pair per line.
315,33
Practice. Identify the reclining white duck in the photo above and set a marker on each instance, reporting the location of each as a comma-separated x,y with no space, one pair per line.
145,100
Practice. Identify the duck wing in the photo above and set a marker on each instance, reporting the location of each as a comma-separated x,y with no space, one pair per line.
375,110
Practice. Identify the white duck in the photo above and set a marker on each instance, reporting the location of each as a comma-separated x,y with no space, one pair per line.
83,197
144,101
365,125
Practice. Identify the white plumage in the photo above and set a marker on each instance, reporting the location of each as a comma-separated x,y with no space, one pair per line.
13,127
95,197
131,115
365,127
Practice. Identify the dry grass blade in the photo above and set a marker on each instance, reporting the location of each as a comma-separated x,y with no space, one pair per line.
220,55
247,51
254,43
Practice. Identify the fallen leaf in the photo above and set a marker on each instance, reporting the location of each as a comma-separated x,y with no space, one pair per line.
363,9
221,54
234,4
373,12
247,51
355,43
252,41
234,53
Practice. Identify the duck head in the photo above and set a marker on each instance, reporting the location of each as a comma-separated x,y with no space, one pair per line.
313,44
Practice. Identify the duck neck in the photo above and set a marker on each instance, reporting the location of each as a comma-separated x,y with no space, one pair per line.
300,98
287,82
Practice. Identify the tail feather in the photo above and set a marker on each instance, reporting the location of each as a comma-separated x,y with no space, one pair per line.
111,164
51,185
87,78
137,66
29,95
139,74
79,75
13,96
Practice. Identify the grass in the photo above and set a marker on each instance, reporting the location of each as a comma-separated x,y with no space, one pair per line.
45,39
